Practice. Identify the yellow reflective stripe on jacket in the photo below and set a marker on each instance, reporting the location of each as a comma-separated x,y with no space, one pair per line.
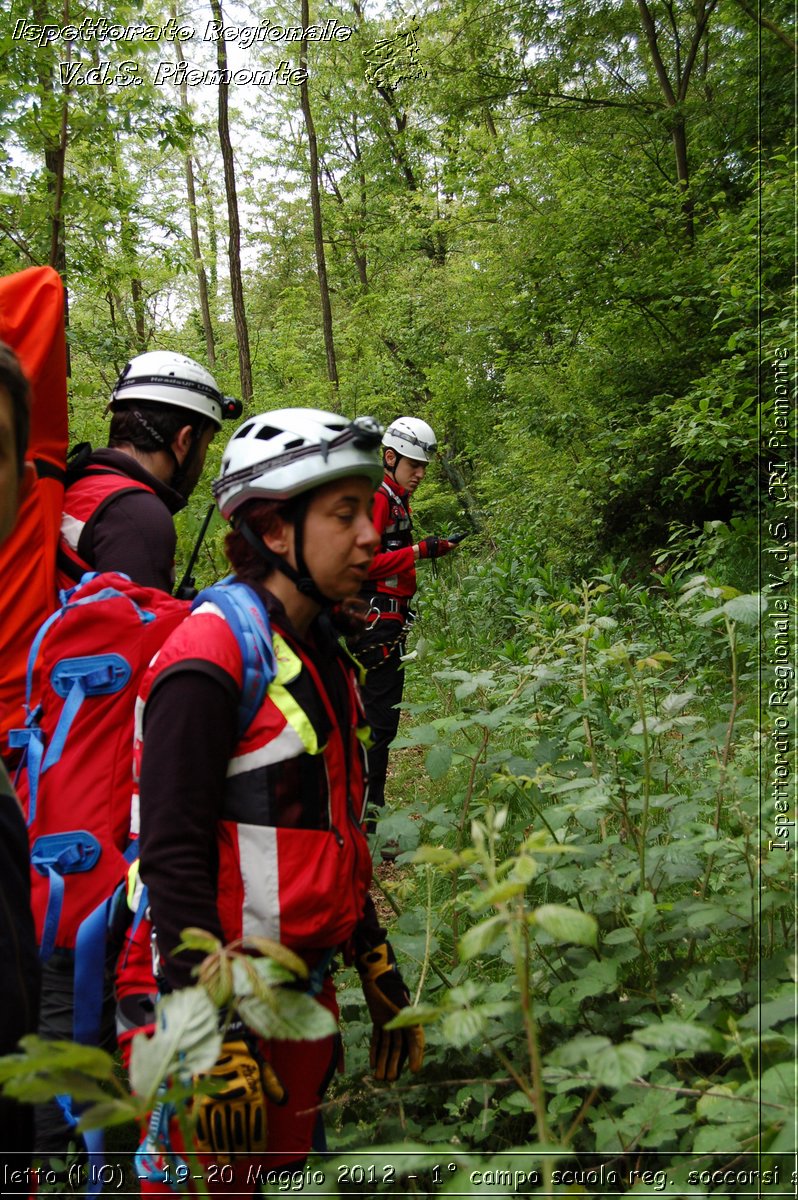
134,886
288,668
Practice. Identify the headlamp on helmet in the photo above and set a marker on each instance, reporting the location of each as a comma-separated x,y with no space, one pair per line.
176,381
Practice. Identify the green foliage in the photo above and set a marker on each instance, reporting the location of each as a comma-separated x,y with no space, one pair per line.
581,875
168,1066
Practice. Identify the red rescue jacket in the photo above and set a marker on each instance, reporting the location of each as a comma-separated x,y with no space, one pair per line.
84,501
393,571
293,860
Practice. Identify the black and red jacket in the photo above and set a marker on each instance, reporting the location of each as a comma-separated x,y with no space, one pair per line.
265,837
118,517
393,571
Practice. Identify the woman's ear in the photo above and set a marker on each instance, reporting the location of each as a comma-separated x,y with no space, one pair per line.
389,459
280,538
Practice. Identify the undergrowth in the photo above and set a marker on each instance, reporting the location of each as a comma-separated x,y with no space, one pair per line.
587,906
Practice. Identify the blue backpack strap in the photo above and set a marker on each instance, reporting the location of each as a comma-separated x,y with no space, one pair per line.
246,615
31,741
90,958
89,985
31,738
57,855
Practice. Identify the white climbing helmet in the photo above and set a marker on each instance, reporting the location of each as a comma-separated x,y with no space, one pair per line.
280,454
163,377
412,438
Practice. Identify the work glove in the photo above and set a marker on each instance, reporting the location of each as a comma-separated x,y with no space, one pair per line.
386,994
434,547
234,1119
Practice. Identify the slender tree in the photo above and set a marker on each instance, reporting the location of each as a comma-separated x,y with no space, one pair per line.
55,148
233,221
675,84
315,204
191,192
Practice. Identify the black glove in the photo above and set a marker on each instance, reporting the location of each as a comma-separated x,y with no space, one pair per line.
386,994
234,1119
434,547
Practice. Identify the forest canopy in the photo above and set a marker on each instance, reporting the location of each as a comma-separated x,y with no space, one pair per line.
557,234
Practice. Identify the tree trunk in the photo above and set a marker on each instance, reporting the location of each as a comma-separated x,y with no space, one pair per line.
674,92
315,204
55,163
209,209
191,192
234,245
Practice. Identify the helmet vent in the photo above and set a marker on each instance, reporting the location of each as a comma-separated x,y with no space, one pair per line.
267,432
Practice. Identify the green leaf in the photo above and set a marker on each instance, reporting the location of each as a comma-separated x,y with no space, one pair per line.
577,1050
422,735
289,1015
673,703
109,1112
771,1013
614,1066
186,1026
198,939
716,1105
498,893
44,1085
676,1037
438,856
438,761
524,869
653,725
415,1014
272,973
41,1055
616,937
565,924
746,610
479,937
463,1027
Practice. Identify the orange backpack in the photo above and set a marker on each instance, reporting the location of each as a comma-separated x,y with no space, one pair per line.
32,324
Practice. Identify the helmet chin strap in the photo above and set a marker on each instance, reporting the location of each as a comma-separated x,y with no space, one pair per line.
300,576
181,470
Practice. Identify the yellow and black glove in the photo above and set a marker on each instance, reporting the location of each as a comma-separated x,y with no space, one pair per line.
234,1119
386,994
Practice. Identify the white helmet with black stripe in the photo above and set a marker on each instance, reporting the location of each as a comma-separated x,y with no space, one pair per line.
278,455
412,438
164,377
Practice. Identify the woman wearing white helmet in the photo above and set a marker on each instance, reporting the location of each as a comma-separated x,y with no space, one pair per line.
261,833
119,503
408,446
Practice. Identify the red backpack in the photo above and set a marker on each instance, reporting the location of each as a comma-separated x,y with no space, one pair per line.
32,323
76,778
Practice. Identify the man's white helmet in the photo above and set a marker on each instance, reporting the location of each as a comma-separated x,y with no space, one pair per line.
412,438
163,377
280,454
